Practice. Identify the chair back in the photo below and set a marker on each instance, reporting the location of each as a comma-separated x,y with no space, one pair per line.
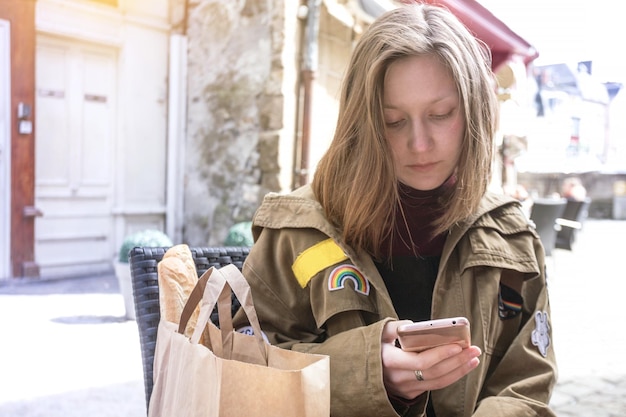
145,282
544,214
575,211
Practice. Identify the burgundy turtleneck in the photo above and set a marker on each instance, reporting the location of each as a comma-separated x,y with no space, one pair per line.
411,272
419,210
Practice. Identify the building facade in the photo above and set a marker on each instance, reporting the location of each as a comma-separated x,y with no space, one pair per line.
88,140
176,115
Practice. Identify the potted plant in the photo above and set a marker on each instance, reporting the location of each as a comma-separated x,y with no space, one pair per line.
144,238
240,234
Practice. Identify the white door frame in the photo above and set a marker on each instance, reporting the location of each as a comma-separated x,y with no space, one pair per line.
5,149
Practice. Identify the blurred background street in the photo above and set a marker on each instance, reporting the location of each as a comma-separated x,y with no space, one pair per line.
587,288
68,351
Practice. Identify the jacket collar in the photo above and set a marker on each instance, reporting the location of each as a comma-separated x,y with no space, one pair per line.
489,203
300,209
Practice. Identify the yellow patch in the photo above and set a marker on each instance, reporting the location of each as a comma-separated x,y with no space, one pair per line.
315,259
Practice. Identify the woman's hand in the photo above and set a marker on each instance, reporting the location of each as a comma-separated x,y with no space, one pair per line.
440,366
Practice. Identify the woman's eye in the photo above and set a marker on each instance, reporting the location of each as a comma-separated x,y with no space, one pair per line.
394,124
442,116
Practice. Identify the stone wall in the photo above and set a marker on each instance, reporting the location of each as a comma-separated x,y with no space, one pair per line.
235,113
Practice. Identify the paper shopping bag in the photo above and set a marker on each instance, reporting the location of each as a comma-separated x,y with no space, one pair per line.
236,374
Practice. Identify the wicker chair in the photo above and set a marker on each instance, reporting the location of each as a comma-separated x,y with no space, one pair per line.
143,265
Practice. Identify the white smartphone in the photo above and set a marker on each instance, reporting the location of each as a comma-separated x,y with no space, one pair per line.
422,335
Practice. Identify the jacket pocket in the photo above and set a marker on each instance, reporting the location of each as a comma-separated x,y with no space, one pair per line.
505,322
499,327
501,252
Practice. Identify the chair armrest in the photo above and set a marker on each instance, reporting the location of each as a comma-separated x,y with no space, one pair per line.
569,223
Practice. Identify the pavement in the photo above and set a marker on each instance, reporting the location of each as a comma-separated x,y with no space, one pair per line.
68,350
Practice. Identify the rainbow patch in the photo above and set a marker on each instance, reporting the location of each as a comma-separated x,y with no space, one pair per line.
343,273
512,306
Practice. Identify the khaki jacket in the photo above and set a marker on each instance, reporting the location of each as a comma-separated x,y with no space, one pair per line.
315,294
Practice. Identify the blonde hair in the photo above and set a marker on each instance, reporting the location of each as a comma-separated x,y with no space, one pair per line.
355,180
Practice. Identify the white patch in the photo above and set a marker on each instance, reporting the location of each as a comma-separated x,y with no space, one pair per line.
250,332
541,335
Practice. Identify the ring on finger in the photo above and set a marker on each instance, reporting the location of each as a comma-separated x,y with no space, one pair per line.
419,375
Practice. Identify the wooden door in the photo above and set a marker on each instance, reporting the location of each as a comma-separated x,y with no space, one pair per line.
76,129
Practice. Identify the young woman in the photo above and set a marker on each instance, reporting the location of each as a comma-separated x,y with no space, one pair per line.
398,225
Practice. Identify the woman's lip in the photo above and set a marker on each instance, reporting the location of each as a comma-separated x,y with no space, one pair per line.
422,167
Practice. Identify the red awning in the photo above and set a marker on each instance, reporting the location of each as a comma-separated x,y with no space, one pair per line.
503,42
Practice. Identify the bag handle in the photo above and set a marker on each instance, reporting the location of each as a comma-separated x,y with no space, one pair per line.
228,278
214,287
195,297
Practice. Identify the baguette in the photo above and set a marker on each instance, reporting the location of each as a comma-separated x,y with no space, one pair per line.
177,278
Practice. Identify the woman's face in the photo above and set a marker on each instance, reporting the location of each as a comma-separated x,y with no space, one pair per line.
424,121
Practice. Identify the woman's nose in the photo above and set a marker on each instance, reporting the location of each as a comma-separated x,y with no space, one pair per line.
419,139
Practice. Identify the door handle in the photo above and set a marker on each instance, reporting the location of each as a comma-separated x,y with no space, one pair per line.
32,211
